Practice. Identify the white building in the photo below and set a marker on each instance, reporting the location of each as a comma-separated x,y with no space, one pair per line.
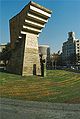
78,51
2,46
44,50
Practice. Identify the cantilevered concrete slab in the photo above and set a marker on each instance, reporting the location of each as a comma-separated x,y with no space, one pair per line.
24,32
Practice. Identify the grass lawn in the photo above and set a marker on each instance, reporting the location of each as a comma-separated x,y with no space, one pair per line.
57,86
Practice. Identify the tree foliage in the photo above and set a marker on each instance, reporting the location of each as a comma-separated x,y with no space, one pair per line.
6,53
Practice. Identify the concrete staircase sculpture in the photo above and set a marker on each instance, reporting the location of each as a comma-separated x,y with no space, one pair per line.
24,32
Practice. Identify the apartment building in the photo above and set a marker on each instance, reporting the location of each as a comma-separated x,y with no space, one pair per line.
71,51
78,52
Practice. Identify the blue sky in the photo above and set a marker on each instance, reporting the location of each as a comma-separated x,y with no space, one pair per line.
65,17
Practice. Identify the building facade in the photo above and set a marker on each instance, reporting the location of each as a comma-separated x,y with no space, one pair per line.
78,52
44,50
71,51
2,46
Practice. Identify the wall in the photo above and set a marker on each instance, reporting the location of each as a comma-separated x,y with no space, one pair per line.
31,56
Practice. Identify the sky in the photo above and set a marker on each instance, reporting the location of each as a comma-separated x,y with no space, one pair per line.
65,18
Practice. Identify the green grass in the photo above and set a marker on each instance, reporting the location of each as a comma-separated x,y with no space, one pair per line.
57,86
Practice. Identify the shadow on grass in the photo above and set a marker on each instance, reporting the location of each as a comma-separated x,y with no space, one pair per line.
71,70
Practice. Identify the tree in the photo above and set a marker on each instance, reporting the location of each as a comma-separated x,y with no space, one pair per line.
55,57
6,54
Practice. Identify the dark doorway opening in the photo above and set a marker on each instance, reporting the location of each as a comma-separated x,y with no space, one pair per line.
34,69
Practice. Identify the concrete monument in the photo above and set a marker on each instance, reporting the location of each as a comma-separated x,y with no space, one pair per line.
24,32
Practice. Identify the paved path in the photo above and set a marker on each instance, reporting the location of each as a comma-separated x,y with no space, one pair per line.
16,109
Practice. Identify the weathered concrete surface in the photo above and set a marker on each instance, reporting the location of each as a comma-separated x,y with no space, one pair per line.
24,32
31,55
16,109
